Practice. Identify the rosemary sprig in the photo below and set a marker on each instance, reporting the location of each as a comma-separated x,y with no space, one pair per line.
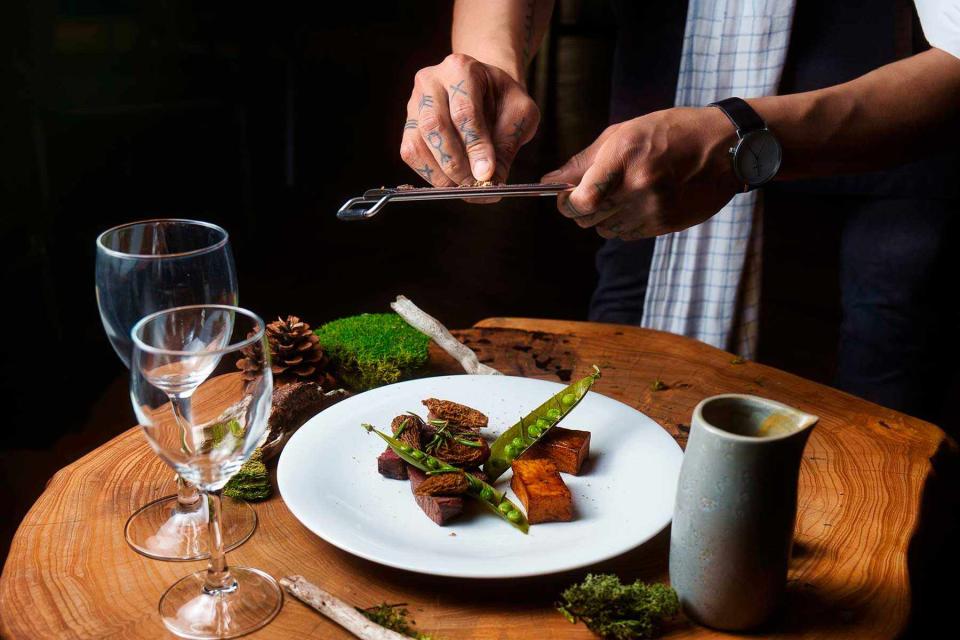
445,433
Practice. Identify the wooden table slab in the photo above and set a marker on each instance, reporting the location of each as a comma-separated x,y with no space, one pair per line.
70,574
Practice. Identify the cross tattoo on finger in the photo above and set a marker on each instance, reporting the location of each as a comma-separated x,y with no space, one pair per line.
425,171
458,88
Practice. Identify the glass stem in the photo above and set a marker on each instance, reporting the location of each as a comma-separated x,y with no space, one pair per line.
188,496
218,579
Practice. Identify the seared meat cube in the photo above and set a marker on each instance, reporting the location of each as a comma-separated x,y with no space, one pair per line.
390,465
440,509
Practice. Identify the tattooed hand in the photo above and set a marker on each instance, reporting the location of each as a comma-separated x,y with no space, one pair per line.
466,120
652,175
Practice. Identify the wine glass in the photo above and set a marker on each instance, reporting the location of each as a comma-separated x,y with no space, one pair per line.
204,418
143,267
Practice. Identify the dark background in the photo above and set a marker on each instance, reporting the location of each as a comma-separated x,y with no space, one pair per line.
264,120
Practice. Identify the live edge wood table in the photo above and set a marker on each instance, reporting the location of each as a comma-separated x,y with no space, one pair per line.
70,574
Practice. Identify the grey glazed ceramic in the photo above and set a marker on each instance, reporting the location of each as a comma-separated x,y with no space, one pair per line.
735,510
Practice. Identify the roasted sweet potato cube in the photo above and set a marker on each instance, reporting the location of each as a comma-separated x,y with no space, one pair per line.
566,448
542,491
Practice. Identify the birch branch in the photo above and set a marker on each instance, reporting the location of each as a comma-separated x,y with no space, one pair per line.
337,610
427,324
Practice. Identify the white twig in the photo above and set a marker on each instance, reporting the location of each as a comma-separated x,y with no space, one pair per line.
337,610
427,324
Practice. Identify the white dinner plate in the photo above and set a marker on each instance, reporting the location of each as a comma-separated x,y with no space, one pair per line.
328,478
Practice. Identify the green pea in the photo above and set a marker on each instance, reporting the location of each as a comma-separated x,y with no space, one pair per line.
510,452
535,431
553,413
417,455
505,508
517,442
406,448
568,399
433,463
513,515
487,494
541,424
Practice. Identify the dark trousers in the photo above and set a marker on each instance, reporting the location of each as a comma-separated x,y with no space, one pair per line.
889,282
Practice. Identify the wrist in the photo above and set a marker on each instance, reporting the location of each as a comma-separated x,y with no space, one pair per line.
507,61
721,136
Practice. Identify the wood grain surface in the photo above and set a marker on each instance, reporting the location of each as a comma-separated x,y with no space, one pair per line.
70,574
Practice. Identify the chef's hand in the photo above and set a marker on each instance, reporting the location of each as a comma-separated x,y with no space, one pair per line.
652,175
465,122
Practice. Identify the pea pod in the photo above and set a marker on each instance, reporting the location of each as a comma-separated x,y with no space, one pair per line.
493,500
514,441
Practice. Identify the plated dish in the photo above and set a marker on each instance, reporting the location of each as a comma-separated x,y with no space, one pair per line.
623,495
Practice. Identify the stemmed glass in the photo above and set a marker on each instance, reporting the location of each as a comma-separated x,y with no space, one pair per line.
204,418
143,267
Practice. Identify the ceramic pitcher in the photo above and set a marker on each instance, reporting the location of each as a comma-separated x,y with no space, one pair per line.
735,511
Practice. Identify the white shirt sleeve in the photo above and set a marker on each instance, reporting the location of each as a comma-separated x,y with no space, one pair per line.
940,20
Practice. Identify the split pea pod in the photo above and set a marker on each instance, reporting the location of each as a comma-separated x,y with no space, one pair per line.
493,500
514,441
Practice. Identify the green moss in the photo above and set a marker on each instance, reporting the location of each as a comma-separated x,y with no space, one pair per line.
394,617
373,349
252,482
619,611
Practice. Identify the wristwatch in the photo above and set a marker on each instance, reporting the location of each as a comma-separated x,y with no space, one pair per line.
757,154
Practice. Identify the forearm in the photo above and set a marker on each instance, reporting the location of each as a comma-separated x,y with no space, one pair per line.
893,114
504,33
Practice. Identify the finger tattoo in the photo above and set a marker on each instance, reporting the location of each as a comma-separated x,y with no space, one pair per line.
458,88
470,134
528,30
425,171
518,129
425,101
604,186
572,208
435,140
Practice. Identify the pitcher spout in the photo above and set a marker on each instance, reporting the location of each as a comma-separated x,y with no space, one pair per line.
752,418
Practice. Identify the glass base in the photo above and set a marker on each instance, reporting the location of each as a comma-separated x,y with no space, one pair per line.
161,532
189,611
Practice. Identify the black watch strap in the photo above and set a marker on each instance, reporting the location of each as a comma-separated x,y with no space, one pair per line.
742,115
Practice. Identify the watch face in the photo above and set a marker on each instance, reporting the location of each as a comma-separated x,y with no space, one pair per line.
757,157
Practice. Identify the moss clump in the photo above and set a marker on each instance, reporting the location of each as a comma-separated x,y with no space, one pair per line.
373,349
394,617
617,611
252,482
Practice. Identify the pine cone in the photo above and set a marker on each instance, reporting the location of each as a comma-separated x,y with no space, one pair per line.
295,353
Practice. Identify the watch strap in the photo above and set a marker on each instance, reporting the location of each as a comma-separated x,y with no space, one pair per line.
741,114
